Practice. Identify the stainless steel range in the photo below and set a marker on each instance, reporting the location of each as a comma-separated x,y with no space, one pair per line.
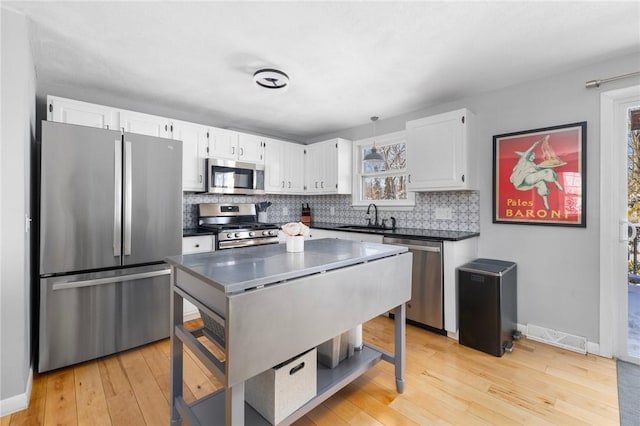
236,225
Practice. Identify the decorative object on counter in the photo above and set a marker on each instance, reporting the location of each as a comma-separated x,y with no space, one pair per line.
261,208
296,231
305,217
539,176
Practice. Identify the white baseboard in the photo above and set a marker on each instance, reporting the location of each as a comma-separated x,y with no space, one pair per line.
188,316
18,402
584,346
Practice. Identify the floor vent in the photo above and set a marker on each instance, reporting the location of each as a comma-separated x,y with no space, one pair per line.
557,338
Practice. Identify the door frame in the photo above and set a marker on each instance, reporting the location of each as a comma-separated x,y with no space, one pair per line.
613,298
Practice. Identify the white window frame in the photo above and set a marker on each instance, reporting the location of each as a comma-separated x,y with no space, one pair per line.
357,199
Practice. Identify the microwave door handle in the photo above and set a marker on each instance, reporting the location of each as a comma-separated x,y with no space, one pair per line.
128,198
117,199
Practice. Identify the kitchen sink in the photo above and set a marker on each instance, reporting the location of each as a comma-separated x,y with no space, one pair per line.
362,228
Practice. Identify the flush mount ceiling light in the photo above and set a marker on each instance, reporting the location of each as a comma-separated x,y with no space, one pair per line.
271,78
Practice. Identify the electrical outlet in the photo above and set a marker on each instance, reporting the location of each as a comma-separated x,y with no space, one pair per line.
285,210
332,211
443,213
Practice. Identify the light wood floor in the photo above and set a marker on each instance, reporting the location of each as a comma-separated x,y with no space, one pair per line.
446,383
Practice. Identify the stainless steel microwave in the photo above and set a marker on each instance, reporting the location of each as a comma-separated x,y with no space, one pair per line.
234,177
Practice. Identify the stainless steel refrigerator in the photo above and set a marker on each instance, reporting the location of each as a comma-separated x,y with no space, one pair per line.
110,212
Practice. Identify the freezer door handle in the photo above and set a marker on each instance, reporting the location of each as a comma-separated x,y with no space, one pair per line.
109,280
128,198
117,199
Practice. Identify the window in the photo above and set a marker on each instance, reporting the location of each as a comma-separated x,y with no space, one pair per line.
385,182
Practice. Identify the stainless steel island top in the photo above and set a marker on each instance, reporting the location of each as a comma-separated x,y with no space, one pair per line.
233,271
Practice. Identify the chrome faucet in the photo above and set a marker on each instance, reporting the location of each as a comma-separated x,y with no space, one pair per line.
375,208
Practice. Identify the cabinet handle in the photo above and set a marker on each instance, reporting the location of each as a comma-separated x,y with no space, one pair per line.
241,152
289,184
462,178
409,178
200,179
316,184
233,150
197,245
322,184
282,184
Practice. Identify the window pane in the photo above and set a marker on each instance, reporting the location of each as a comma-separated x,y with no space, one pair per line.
384,188
394,158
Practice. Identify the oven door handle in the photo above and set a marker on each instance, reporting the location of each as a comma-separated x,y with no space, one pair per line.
246,243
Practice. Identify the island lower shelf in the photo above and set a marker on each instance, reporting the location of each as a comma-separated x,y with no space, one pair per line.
210,409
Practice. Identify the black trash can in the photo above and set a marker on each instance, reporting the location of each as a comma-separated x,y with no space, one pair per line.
487,305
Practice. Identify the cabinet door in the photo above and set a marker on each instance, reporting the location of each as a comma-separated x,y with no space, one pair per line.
194,151
274,166
81,113
436,152
197,244
144,124
293,167
330,169
250,148
313,168
223,144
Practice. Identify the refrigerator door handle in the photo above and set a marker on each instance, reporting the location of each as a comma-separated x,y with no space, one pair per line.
128,199
117,200
109,280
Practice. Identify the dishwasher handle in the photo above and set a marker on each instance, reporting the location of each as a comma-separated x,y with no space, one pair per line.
421,248
430,248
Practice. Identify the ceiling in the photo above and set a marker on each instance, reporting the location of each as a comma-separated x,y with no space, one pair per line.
347,60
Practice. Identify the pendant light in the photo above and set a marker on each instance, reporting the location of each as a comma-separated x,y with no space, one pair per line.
374,157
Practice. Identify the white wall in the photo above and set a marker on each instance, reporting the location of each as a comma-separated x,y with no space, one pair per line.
18,133
558,268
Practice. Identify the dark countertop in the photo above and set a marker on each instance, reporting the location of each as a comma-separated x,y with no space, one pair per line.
194,232
243,268
420,234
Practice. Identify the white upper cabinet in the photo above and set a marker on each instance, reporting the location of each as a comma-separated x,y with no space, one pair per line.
293,167
328,167
144,124
440,152
284,167
195,146
81,113
230,145
223,144
251,148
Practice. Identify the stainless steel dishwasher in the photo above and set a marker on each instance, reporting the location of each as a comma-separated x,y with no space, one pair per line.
426,306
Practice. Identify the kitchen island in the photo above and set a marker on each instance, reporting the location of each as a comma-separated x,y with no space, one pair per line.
268,305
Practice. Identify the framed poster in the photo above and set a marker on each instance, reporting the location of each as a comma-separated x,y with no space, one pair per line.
539,176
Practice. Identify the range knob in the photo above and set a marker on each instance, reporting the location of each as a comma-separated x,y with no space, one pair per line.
236,235
272,232
265,232
229,235
251,233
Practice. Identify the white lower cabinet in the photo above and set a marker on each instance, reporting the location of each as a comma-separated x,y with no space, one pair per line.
191,245
455,254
